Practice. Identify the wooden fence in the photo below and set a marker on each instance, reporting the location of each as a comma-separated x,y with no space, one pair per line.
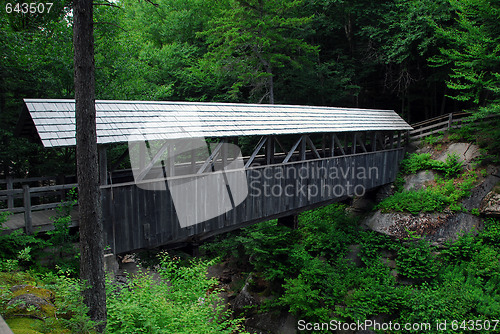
436,125
28,195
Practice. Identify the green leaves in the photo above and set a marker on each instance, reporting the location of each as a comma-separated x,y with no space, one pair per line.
472,51
252,40
183,300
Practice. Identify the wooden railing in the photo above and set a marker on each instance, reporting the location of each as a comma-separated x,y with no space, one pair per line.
20,197
436,125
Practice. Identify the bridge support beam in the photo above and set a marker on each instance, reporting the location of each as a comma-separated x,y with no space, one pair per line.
291,221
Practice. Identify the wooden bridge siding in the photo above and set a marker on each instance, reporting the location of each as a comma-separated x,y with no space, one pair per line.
145,218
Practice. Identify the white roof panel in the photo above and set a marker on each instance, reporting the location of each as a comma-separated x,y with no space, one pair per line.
116,120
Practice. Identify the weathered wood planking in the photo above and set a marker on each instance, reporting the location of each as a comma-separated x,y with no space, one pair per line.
135,218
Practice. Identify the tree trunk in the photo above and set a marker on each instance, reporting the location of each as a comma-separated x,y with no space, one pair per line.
91,235
271,84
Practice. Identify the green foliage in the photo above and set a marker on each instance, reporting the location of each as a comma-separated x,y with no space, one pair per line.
60,240
483,129
414,162
70,310
372,243
17,245
251,40
416,260
445,193
491,233
184,300
432,140
471,50
268,248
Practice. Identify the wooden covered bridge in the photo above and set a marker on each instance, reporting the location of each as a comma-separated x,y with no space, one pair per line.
261,162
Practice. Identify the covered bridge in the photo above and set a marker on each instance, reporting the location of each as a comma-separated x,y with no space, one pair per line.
199,169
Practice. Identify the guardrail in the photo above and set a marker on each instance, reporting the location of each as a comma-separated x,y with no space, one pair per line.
436,125
441,124
20,197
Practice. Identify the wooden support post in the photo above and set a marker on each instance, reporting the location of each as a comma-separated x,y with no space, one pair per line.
354,140
60,180
450,120
294,147
10,197
374,141
261,143
193,161
171,159
291,221
279,144
381,140
270,150
142,156
399,139
313,148
27,210
323,146
346,140
103,165
360,141
302,152
210,160
391,139
332,141
342,149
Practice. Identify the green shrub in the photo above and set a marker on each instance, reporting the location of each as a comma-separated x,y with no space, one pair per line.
416,260
431,140
446,193
183,301
491,233
13,243
451,167
462,249
415,162
372,243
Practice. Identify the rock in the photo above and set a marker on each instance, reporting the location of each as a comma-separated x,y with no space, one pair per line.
381,222
394,273
361,205
383,192
23,303
437,227
456,225
389,263
271,323
244,298
388,254
419,180
353,255
467,152
481,191
490,205
111,265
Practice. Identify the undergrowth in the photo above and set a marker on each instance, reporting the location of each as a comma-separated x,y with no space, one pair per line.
444,193
319,282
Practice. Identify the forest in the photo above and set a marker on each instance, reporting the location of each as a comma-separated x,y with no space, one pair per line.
420,58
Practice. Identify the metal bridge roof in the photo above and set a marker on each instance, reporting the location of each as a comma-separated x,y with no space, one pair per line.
117,120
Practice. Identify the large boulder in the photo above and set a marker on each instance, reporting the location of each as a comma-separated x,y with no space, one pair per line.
438,227
490,205
467,153
419,180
